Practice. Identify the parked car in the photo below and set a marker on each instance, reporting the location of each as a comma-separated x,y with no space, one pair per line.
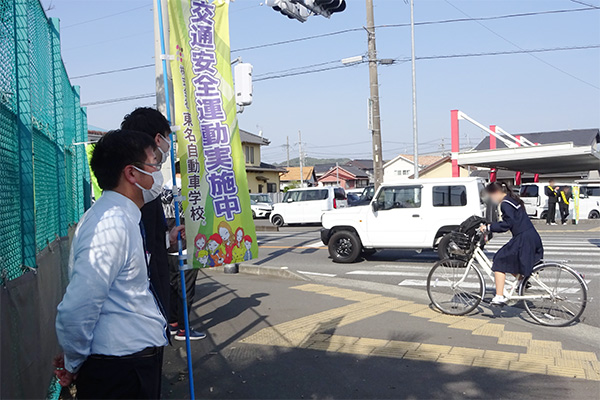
260,210
261,198
536,201
306,205
589,199
353,198
366,195
418,214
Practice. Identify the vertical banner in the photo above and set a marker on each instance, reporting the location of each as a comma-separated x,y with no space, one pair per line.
218,220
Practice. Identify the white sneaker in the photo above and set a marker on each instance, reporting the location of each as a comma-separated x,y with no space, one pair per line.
499,300
553,223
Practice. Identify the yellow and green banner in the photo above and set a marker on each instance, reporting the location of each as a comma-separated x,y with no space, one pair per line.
218,220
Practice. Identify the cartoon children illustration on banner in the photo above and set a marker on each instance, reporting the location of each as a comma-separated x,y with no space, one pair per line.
223,247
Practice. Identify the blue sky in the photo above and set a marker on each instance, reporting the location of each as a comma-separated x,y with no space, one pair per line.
517,92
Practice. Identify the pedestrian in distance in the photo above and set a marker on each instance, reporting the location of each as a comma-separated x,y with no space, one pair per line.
552,192
564,199
110,323
524,250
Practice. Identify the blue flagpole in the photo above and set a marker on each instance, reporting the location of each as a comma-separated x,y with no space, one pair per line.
175,199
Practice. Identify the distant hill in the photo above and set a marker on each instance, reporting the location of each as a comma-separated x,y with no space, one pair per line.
310,161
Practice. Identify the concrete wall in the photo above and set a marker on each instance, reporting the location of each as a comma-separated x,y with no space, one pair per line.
254,184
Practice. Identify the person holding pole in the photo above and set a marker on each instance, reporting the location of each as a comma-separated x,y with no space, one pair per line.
552,192
165,260
563,203
110,323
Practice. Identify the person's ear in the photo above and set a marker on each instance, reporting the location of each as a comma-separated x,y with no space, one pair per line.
128,174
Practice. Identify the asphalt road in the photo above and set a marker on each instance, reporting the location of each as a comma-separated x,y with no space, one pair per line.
273,338
299,249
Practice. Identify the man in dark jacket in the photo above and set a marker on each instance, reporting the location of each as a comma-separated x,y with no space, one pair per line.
153,123
564,199
552,192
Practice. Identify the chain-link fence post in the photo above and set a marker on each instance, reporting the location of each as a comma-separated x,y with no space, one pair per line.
24,129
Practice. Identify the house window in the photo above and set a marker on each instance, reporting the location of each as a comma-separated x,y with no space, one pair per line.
406,172
249,150
271,188
260,188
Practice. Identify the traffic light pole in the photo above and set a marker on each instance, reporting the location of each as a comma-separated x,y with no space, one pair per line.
374,90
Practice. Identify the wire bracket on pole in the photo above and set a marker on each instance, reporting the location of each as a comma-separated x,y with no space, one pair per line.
168,57
175,128
179,198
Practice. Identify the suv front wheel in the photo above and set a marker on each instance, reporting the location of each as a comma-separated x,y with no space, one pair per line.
344,247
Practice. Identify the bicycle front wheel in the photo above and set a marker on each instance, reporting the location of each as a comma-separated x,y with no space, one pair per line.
454,288
558,295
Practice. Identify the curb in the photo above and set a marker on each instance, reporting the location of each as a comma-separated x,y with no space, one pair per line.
277,272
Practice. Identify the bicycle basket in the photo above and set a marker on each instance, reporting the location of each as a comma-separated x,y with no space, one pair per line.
460,243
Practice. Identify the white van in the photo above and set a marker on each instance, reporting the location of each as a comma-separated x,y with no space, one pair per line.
589,200
306,205
536,201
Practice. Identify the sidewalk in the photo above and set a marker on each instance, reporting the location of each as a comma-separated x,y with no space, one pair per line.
283,338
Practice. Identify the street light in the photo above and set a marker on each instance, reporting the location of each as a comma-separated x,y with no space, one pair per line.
352,60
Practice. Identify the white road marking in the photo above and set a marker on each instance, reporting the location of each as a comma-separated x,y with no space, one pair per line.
316,244
387,273
317,274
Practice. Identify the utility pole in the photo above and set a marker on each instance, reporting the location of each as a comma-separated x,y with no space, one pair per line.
300,159
287,148
374,103
414,92
337,172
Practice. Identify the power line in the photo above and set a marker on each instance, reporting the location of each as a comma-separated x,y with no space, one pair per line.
112,71
502,53
119,99
585,4
302,72
297,68
278,75
104,17
519,47
439,57
446,21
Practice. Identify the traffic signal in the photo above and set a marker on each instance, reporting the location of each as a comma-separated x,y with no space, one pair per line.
302,9
290,9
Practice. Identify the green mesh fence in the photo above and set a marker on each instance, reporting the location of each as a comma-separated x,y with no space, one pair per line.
43,171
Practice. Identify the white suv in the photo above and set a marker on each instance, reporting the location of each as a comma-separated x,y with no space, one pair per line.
415,214
306,205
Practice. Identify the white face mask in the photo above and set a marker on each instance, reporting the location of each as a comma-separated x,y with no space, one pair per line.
157,185
164,154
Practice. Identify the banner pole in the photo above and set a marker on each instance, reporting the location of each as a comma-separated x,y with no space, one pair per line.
176,200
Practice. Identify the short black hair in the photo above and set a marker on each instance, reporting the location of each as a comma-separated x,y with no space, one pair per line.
147,120
116,150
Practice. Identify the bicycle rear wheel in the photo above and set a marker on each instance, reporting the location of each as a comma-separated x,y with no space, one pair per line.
453,288
562,294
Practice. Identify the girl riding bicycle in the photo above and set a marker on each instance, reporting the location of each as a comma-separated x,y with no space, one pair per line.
524,249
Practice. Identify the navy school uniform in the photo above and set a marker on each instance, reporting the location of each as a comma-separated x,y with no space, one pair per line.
525,249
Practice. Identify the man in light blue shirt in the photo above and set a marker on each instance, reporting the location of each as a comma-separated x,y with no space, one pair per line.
109,323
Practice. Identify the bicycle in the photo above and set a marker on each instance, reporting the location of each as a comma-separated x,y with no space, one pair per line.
554,294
